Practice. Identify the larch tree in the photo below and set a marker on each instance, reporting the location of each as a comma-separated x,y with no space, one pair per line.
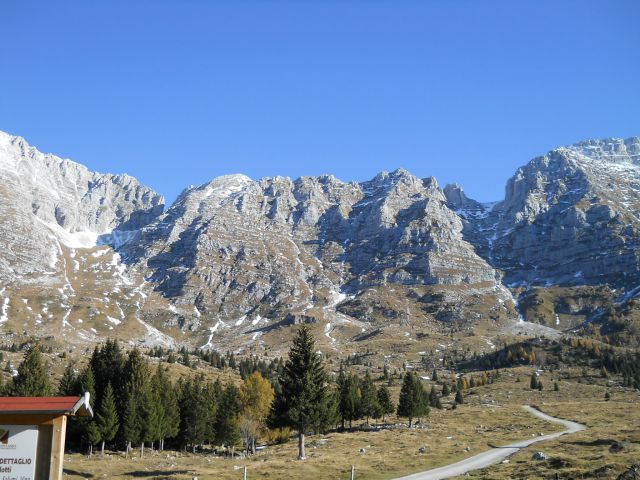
256,398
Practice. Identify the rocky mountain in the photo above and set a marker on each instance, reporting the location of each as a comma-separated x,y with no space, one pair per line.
569,219
234,262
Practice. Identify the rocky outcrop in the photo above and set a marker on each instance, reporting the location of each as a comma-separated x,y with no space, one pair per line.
237,247
568,218
46,200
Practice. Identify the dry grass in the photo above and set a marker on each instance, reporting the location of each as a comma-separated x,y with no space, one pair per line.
492,415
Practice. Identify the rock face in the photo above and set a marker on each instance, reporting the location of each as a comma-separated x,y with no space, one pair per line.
568,218
236,247
233,261
46,200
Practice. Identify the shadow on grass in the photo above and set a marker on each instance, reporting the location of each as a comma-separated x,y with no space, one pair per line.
68,471
156,473
593,443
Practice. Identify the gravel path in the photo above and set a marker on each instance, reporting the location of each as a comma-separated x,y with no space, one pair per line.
495,455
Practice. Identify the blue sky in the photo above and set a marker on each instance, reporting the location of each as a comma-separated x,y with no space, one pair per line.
177,92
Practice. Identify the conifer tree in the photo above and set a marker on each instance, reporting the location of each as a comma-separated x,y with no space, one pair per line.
92,435
413,398
68,382
534,381
107,418
433,396
194,416
32,379
369,406
446,391
168,404
459,398
349,399
384,400
304,388
136,381
130,428
227,428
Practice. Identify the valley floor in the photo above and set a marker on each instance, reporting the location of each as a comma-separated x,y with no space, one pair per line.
491,416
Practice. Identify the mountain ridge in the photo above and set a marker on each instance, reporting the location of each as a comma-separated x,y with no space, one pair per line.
236,260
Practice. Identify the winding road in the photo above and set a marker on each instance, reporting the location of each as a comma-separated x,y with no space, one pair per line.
495,455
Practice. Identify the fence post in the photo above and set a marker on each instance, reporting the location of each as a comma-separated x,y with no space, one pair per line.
353,472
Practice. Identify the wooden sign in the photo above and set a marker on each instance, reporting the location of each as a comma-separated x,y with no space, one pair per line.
32,435
18,446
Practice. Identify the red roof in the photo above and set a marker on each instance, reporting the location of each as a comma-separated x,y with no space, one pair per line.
48,405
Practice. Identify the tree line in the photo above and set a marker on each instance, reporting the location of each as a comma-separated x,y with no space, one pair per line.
136,404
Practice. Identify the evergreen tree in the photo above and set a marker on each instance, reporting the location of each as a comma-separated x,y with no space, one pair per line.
168,405
446,391
384,400
194,416
150,415
349,399
433,396
32,379
413,398
555,387
369,406
136,379
304,388
434,375
130,428
107,363
459,398
107,418
68,382
540,386
226,426
534,381
92,435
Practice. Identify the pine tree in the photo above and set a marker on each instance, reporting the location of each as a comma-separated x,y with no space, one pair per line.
168,404
92,435
194,415
534,381
446,391
226,426
107,418
384,400
107,363
349,399
413,400
135,381
68,382
32,379
304,387
369,406
130,428
459,398
433,396
150,417
434,375
555,387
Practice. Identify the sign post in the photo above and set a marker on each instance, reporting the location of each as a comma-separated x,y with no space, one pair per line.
32,435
